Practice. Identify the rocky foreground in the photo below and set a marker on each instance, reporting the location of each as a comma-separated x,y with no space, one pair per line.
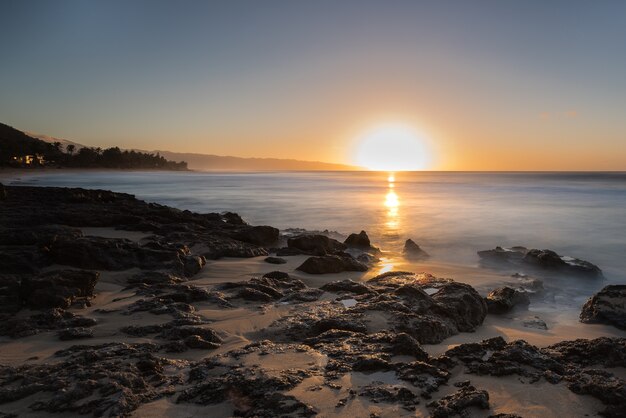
145,329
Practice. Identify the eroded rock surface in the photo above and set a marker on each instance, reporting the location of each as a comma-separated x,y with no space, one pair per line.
608,306
542,260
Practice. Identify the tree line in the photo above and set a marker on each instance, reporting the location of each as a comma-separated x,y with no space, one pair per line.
15,145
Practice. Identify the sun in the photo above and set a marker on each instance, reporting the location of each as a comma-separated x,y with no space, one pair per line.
392,147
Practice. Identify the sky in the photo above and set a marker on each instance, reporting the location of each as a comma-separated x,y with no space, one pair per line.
489,85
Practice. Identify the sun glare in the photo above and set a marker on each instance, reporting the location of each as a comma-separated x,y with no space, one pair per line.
394,147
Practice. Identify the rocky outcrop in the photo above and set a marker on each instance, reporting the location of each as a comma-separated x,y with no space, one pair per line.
457,403
503,299
259,235
542,260
50,320
608,306
584,365
413,251
58,289
360,241
331,264
275,260
315,245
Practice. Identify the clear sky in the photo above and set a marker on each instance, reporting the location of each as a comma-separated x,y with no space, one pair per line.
492,85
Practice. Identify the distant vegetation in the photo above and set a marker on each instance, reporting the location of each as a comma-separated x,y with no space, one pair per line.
20,150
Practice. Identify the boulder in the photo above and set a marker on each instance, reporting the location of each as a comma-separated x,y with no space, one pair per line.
359,241
458,403
503,299
57,289
545,260
413,251
275,260
192,264
258,235
315,244
10,301
462,304
608,306
348,286
550,260
331,264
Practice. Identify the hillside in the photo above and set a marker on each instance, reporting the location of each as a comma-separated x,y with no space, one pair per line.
17,149
208,162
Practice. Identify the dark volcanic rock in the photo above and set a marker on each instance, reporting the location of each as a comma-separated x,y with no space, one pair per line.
503,299
413,251
259,235
348,286
608,306
57,289
331,264
569,361
458,402
75,333
546,260
275,260
361,242
53,319
462,304
10,298
107,380
315,244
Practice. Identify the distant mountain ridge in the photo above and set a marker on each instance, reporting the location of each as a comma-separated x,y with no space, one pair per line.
211,162
207,162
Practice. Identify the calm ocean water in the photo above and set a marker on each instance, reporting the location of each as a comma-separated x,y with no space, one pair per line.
451,215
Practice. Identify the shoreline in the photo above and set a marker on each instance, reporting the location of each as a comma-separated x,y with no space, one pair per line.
264,328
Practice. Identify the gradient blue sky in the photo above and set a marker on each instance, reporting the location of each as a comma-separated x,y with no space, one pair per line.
508,85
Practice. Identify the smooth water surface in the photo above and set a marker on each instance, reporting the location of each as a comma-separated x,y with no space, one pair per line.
450,215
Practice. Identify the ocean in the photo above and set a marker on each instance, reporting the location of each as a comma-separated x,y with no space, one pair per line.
449,214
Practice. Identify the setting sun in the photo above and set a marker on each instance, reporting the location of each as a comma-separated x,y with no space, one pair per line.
393,147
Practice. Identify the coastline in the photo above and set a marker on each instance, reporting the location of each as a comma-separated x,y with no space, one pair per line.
233,325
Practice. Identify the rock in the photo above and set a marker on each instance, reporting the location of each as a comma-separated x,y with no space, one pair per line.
259,235
535,322
331,264
192,264
380,392
503,299
503,254
413,251
75,333
107,380
361,242
462,304
549,260
153,278
275,260
53,319
457,403
315,244
367,258
348,286
545,260
608,306
278,275
10,298
58,289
